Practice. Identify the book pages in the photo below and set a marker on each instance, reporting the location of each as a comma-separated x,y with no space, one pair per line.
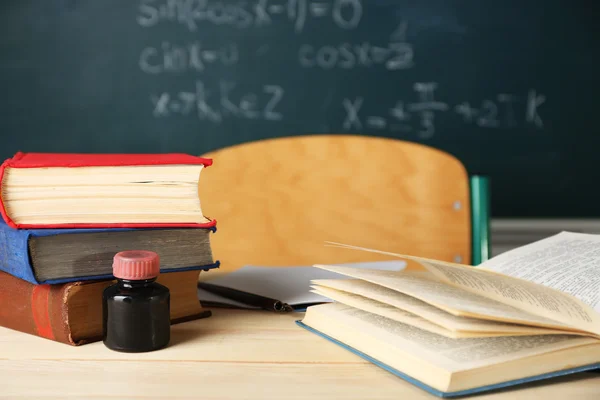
445,296
461,326
569,262
103,194
352,326
527,296
385,310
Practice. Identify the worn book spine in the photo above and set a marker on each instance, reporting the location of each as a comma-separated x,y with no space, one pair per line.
14,253
39,310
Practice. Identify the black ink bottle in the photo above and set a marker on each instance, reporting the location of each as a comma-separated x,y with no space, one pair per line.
136,309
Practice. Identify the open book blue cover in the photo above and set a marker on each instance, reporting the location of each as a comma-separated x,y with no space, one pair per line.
439,393
15,258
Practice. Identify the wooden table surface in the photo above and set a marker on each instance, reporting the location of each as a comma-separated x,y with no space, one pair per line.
234,354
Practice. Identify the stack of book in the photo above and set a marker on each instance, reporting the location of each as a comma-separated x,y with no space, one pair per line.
64,217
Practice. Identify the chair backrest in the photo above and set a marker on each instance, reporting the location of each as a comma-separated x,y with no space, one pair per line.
277,201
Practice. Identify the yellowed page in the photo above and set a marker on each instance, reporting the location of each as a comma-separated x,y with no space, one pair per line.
459,325
527,296
444,296
532,298
385,310
380,337
569,262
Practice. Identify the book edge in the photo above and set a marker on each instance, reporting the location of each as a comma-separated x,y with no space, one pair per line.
65,289
22,160
3,212
42,232
128,225
207,267
443,394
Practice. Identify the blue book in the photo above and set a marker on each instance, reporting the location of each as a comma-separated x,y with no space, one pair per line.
51,256
334,321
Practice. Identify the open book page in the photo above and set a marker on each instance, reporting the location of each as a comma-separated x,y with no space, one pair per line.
569,262
451,322
384,310
527,296
397,314
445,296
359,329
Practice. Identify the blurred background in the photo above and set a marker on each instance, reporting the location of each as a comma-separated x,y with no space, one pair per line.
508,87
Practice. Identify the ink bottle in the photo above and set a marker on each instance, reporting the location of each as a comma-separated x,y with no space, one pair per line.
136,309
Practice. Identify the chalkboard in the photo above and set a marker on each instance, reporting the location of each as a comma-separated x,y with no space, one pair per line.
508,86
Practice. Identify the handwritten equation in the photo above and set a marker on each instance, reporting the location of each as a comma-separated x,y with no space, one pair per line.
216,100
394,56
194,56
224,100
503,111
345,14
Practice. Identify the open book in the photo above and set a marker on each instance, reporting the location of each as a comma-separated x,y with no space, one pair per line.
452,329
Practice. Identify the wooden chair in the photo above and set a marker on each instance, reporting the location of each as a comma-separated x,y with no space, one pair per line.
277,201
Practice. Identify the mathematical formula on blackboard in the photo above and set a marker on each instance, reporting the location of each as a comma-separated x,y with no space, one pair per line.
218,101
345,14
214,101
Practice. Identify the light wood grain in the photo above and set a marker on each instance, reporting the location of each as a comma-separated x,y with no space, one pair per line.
277,201
233,355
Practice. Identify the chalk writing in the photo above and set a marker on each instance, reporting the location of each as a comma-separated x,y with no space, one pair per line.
426,107
399,117
469,113
192,13
534,100
399,34
352,108
419,116
345,14
395,56
398,54
376,122
489,115
500,112
419,112
220,101
169,57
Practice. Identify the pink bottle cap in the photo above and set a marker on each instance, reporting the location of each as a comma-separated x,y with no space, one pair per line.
136,265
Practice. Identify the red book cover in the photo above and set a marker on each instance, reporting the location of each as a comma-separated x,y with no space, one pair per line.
41,160
75,160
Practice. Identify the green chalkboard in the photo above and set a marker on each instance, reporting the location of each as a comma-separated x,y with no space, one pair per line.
508,86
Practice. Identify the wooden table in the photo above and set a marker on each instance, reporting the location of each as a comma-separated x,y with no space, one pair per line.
234,354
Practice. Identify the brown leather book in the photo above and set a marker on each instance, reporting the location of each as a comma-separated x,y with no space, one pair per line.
71,313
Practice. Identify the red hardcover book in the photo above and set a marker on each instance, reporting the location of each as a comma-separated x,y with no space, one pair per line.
66,190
